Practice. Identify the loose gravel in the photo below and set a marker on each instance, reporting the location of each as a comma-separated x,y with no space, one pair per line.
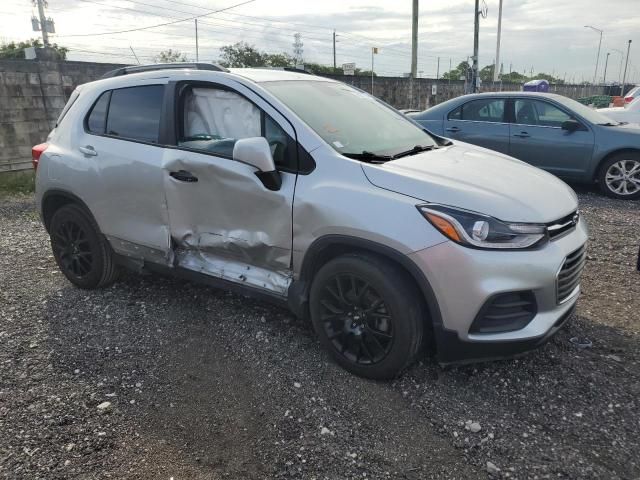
157,378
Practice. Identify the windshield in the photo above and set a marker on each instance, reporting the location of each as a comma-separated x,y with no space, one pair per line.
585,112
351,121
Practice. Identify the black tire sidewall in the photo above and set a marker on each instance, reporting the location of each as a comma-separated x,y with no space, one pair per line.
77,215
603,173
402,299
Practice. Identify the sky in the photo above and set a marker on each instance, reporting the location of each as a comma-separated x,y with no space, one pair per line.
546,35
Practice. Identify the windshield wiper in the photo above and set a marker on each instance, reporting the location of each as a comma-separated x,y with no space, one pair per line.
369,157
610,124
414,150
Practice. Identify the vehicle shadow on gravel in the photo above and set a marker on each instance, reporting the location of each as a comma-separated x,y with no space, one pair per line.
203,383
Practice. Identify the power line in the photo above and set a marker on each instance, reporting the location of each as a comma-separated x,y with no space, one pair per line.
160,24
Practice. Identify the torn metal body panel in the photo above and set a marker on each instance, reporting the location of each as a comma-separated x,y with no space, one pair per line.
227,224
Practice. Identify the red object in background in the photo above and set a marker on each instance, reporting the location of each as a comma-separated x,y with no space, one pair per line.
36,151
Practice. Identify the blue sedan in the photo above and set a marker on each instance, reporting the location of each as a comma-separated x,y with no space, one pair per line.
548,131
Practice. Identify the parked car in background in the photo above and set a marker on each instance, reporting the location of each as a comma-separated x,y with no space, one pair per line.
629,114
631,95
386,237
549,131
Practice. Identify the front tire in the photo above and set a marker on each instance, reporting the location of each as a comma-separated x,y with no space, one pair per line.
620,176
81,252
368,314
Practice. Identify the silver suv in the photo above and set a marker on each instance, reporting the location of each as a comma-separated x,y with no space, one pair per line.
316,195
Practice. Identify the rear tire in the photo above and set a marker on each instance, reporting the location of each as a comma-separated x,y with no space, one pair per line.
368,314
81,252
620,176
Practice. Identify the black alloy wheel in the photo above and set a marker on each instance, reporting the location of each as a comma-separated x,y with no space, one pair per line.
368,313
72,248
80,250
356,319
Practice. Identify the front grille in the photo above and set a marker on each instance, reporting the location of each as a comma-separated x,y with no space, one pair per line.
569,275
505,312
563,225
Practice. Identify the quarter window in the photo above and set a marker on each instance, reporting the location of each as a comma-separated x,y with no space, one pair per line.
97,120
538,113
484,110
134,113
214,119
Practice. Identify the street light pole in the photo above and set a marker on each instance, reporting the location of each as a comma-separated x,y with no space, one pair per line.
496,72
606,64
476,35
624,75
595,75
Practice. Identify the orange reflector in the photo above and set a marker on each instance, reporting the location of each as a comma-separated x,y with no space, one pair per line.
444,226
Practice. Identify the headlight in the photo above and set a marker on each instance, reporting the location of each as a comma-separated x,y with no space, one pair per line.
474,229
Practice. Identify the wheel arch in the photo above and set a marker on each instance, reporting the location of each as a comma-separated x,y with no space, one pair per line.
608,156
329,247
54,199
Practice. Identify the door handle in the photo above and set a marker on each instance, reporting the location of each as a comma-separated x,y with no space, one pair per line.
184,176
88,150
521,135
452,129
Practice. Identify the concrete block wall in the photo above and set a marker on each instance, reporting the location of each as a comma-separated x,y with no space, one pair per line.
32,95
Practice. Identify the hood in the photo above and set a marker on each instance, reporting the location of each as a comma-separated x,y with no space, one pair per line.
477,179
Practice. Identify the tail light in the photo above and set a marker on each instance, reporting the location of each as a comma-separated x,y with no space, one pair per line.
36,152
628,99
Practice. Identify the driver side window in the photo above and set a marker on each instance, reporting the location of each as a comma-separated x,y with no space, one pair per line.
213,119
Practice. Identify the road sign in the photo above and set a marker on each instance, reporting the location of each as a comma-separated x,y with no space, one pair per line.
349,68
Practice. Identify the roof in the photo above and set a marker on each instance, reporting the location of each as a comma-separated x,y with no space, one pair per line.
517,93
273,75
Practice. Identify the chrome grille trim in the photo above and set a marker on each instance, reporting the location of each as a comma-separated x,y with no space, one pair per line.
563,225
568,277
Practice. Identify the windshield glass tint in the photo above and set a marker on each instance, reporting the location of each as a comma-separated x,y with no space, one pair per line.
349,120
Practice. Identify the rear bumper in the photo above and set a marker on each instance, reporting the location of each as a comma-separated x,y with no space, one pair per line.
452,350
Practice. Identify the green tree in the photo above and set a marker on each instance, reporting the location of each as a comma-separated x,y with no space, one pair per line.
486,74
170,56
458,72
242,54
16,50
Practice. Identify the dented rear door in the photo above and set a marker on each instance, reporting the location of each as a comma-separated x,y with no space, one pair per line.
223,221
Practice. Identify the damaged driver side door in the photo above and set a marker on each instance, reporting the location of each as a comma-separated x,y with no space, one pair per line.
224,222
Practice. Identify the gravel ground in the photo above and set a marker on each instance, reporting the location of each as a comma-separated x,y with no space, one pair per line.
156,378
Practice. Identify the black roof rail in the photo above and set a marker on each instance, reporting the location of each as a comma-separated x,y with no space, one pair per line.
163,66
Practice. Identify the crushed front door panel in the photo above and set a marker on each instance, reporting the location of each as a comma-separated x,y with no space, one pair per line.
227,224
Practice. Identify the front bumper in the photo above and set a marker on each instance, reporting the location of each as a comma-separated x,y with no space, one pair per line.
463,279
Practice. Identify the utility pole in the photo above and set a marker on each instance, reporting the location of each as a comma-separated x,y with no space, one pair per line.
374,50
414,39
621,60
496,72
43,23
438,69
624,75
595,74
606,64
334,52
476,35
197,53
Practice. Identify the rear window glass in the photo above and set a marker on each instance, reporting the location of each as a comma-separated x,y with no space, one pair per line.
97,120
134,113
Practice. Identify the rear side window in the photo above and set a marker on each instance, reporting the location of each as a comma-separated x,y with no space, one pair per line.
484,110
97,120
134,113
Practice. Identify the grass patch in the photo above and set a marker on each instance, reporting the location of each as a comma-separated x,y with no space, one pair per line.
12,183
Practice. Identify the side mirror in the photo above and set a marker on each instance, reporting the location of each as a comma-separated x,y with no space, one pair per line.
256,152
571,125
